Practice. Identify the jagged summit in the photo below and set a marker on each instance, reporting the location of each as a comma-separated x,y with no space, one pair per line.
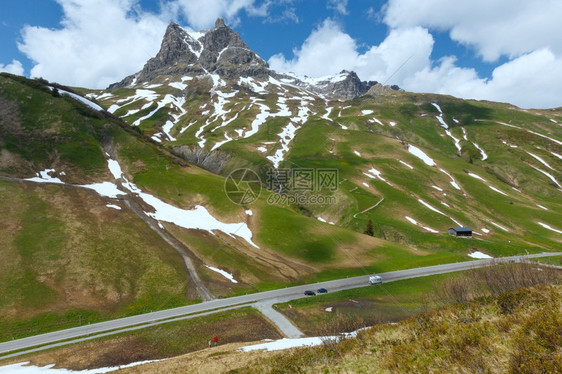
220,23
221,51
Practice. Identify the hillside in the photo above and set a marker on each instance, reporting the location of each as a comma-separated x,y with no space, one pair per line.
128,207
431,161
79,227
515,332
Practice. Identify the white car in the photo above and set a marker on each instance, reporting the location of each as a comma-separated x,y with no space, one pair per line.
374,279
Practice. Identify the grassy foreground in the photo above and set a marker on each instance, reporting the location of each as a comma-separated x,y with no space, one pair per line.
515,331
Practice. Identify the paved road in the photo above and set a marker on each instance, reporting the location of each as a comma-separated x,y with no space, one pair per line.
285,294
278,319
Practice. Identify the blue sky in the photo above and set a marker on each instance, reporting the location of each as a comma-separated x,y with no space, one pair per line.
506,50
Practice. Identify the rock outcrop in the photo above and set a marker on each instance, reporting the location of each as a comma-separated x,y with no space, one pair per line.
221,51
349,87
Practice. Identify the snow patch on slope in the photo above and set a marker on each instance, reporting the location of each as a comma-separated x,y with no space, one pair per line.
406,164
540,160
479,255
45,177
83,100
286,343
421,155
225,274
548,227
26,368
413,221
288,133
429,206
548,175
453,182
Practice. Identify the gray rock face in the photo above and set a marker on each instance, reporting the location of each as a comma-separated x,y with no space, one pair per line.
219,50
348,88
345,85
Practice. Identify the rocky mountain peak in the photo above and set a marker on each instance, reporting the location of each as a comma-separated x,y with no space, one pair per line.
221,51
351,86
219,23
225,53
345,85
175,47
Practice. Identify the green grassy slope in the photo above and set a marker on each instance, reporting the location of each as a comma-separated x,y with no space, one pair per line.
514,152
71,259
68,251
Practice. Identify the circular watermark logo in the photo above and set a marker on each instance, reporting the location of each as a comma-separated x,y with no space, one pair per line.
242,186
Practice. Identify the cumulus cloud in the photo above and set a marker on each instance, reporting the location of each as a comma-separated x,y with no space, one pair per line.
531,80
493,28
528,33
329,50
286,15
100,42
13,68
202,14
532,77
401,54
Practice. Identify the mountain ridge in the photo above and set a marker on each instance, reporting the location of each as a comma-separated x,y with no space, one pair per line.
221,51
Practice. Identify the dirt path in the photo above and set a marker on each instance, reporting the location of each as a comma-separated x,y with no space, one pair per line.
369,208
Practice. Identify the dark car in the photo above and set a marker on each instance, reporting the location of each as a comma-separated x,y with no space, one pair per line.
309,293
322,290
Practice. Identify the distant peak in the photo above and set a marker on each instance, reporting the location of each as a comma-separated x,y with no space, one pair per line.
219,23
172,26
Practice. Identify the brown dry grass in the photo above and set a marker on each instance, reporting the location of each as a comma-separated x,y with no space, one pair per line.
480,336
219,359
271,265
163,341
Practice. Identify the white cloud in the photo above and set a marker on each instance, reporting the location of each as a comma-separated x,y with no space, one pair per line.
339,6
286,15
202,14
493,28
527,32
329,50
14,68
444,77
532,79
401,54
100,42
